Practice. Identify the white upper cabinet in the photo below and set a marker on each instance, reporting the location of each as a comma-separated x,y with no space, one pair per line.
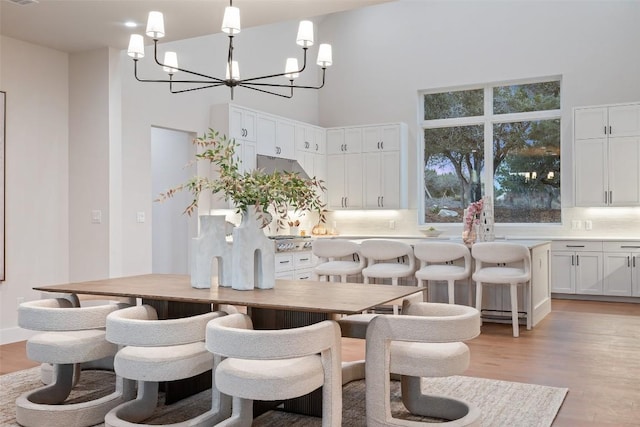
344,140
381,138
607,155
276,137
242,123
310,139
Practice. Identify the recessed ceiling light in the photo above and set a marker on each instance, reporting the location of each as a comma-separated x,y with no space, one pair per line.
130,24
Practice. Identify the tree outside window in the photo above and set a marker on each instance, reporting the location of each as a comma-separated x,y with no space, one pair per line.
522,133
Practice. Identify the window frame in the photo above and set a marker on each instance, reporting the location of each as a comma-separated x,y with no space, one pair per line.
487,120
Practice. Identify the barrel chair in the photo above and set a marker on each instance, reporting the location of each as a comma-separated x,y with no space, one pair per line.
491,259
156,351
437,262
425,342
274,365
71,336
382,261
331,262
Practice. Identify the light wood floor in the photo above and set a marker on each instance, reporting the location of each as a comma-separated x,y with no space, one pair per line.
592,348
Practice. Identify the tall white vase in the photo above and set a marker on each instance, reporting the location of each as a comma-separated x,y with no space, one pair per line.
210,245
253,255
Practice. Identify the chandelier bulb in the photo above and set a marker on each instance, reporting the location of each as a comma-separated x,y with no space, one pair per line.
231,20
155,25
136,46
325,58
170,62
291,69
305,34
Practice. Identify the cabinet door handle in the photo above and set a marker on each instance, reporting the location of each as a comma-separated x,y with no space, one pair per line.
284,262
572,260
628,261
382,145
306,144
577,259
630,246
378,145
304,259
346,202
378,201
382,201
317,147
605,197
303,278
610,197
634,261
609,130
605,130
574,246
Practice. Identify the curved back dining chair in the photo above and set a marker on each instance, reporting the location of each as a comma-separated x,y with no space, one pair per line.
160,350
425,342
383,261
275,365
491,260
438,262
331,262
71,335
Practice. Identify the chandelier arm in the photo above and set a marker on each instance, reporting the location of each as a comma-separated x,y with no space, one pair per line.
268,91
243,84
155,57
196,88
304,65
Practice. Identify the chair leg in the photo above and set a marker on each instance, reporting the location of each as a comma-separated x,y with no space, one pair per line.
529,309
394,282
514,309
451,291
242,414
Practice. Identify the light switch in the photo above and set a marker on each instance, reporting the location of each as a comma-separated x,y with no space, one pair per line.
96,217
140,217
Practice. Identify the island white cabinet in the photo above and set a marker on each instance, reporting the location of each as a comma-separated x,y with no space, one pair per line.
576,267
607,155
622,268
296,265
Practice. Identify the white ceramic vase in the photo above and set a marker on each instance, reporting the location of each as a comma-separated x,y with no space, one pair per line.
253,255
210,245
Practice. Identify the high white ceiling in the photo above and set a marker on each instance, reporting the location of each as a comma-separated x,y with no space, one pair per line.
79,25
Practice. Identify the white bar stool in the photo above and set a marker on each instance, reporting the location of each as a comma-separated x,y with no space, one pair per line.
330,263
498,254
383,261
437,263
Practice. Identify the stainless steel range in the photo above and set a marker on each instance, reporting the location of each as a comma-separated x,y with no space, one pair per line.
285,243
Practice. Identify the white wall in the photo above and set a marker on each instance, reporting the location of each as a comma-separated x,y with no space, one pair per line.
386,53
37,174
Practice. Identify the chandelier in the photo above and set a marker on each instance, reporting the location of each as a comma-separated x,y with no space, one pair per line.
230,26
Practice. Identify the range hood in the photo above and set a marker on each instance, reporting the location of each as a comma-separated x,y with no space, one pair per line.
271,164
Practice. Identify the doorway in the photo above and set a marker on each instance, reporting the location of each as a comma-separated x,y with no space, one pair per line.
172,230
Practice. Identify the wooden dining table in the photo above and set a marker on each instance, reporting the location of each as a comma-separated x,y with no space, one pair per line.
291,303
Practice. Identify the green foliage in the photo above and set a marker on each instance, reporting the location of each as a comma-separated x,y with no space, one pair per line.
280,191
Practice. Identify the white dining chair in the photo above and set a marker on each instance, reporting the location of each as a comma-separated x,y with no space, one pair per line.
274,365
71,335
491,259
155,351
385,261
426,341
331,255
438,262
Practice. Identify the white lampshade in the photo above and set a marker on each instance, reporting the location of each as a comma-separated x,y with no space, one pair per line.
324,55
155,25
291,68
235,71
231,20
136,46
170,62
305,34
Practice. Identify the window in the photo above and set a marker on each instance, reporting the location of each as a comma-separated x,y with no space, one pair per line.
501,141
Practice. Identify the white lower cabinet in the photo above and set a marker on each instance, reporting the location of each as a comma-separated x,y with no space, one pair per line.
621,268
576,267
294,265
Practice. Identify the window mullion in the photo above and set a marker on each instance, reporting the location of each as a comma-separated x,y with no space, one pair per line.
488,142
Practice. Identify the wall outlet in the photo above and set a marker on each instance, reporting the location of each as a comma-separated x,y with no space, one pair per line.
140,217
576,224
588,225
392,225
96,216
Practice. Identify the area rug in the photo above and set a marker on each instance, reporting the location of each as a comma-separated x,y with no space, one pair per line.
502,403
